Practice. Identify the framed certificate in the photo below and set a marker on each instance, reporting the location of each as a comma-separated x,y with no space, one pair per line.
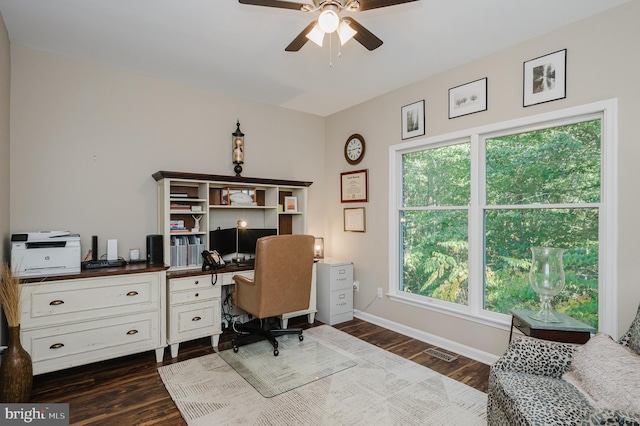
354,219
354,186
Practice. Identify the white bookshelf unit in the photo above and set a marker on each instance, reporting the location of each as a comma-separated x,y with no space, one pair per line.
181,196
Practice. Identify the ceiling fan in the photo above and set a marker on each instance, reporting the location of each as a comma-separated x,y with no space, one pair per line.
329,20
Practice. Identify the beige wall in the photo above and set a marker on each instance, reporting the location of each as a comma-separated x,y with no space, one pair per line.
5,82
87,138
602,63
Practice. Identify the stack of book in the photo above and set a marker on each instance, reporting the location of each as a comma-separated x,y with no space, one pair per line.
180,206
177,226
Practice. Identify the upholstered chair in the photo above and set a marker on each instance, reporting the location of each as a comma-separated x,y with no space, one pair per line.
281,284
540,382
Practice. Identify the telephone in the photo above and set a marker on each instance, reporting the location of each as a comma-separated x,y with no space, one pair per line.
211,260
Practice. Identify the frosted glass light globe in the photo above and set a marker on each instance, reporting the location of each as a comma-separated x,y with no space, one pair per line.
328,20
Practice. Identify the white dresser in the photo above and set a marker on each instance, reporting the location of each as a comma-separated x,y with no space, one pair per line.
93,316
335,291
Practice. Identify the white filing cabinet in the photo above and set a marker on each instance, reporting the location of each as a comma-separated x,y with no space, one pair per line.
335,291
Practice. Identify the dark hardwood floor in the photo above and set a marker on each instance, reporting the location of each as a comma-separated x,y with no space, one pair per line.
129,391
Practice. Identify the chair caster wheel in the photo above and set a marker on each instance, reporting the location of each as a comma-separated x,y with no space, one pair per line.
276,352
235,347
300,337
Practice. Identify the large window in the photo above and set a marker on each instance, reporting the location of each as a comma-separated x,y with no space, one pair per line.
468,208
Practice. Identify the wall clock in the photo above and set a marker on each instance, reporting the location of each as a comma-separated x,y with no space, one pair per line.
354,149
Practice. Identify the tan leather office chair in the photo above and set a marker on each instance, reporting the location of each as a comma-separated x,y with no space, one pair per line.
281,284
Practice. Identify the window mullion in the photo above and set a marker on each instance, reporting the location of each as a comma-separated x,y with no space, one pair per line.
476,226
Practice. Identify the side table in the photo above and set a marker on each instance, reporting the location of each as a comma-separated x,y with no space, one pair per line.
570,330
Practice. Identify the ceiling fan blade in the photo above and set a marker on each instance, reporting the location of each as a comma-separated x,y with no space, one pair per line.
274,3
364,36
300,39
375,4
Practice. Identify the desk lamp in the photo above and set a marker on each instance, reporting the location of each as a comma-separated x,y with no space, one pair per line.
240,224
318,248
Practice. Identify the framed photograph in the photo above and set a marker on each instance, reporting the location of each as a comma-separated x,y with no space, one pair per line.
468,98
413,120
545,78
354,186
354,219
290,204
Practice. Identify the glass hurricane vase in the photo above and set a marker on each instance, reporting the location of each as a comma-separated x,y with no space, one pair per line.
547,279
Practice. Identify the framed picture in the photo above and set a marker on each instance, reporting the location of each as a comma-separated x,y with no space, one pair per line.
545,78
468,98
354,186
290,204
413,120
354,219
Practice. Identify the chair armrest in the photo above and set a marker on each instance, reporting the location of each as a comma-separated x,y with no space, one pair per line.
535,356
245,295
243,280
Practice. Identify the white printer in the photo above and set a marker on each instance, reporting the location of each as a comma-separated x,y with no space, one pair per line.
44,253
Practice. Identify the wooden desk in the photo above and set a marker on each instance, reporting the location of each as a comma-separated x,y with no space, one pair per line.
194,306
570,330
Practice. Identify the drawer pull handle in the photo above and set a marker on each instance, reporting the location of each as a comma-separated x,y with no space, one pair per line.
197,294
197,282
132,332
132,293
56,346
56,302
196,319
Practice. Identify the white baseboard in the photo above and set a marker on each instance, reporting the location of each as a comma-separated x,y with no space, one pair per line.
431,339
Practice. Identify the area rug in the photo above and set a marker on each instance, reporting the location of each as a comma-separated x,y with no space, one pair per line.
299,363
381,389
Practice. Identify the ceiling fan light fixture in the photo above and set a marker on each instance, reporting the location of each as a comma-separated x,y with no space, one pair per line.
329,20
345,32
316,35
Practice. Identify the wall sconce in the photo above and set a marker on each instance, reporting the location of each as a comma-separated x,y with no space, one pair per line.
318,248
240,224
237,149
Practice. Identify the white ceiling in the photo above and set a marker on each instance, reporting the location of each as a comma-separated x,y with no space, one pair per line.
237,49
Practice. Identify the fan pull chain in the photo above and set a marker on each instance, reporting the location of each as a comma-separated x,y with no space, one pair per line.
330,46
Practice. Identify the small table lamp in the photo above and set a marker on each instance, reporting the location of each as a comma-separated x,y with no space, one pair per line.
318,248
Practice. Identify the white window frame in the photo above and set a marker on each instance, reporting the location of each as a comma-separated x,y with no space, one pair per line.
607,111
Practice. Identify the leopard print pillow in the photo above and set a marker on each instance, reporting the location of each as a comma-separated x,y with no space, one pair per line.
634,334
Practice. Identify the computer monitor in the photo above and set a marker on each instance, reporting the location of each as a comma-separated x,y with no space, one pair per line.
223,241
248,237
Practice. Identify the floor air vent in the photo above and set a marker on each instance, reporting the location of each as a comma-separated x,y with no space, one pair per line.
440,355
